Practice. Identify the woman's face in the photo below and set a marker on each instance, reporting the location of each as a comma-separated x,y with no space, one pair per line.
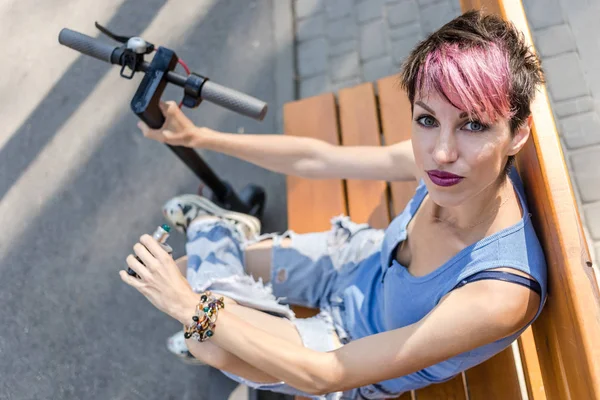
459,158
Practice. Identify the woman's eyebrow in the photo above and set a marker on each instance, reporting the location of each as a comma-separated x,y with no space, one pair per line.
426,107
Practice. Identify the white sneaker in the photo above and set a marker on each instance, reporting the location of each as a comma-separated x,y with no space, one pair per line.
176,345
180,211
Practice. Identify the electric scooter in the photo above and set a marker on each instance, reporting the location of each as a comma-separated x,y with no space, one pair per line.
196,88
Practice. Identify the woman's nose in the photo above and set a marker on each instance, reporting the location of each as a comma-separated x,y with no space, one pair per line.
445,151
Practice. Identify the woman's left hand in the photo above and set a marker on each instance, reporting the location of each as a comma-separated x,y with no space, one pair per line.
160,280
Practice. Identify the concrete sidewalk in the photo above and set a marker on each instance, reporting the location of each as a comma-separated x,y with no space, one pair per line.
341,43
79,184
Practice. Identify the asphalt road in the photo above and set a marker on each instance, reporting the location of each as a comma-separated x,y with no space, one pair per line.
79,185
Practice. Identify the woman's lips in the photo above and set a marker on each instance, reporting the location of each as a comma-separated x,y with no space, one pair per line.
442,178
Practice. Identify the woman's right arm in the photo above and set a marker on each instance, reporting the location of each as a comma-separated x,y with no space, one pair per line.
290,155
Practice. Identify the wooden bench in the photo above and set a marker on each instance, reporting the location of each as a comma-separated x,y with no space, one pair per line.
559,356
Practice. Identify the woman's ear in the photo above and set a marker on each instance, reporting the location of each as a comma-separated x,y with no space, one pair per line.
520,137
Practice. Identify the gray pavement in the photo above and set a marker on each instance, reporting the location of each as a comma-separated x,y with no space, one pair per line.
341,43
79,185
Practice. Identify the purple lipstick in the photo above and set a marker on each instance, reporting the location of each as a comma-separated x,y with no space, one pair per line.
442,178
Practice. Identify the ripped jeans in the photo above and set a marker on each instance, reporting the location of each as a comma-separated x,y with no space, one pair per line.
307,273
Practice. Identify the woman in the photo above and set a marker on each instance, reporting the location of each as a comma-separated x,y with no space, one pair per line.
452,281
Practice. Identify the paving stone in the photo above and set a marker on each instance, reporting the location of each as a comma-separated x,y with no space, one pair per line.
344,67
339,8
555,40
343,47
401,48
565,77
456,6
312,57
405,12
345,84
570,107
586,173
341,30
369,10
543,13
581,130
306,8
314,85
372,40
436,15
423,3
310,28
378,68
592,216
403,31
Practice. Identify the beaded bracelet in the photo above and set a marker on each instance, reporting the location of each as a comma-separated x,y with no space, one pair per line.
203,325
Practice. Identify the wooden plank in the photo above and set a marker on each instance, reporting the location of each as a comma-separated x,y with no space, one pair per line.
531,364
451,390
494,380
492,7
396,123
568,331
312,203
367,200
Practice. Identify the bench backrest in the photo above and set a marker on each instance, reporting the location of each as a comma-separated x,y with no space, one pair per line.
554,358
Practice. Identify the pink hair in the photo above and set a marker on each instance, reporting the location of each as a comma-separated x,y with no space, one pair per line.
475,79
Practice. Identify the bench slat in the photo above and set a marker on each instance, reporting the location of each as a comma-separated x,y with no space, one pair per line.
312,203
495,379
360,126
453,389
396,122
531,364
367,200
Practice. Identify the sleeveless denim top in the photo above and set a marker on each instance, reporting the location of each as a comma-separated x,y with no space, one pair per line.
384,296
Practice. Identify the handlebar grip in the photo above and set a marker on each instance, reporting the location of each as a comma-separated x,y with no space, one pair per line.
233,100
86,44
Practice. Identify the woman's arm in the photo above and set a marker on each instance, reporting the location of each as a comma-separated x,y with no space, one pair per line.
312,158
469,317
290,155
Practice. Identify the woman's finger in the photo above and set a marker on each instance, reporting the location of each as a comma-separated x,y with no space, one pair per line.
142,252
154,247
168,106
151,133
137,267
130,280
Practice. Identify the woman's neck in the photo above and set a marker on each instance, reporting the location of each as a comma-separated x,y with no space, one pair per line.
477,211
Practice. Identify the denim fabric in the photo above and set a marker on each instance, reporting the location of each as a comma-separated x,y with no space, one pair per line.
305,273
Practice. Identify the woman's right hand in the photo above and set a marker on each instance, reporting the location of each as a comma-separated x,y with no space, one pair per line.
178,130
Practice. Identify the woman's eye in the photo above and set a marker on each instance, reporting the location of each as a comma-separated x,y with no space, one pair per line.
426,120
475,126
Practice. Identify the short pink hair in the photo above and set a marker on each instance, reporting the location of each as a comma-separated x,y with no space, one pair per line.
475,80
481,64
